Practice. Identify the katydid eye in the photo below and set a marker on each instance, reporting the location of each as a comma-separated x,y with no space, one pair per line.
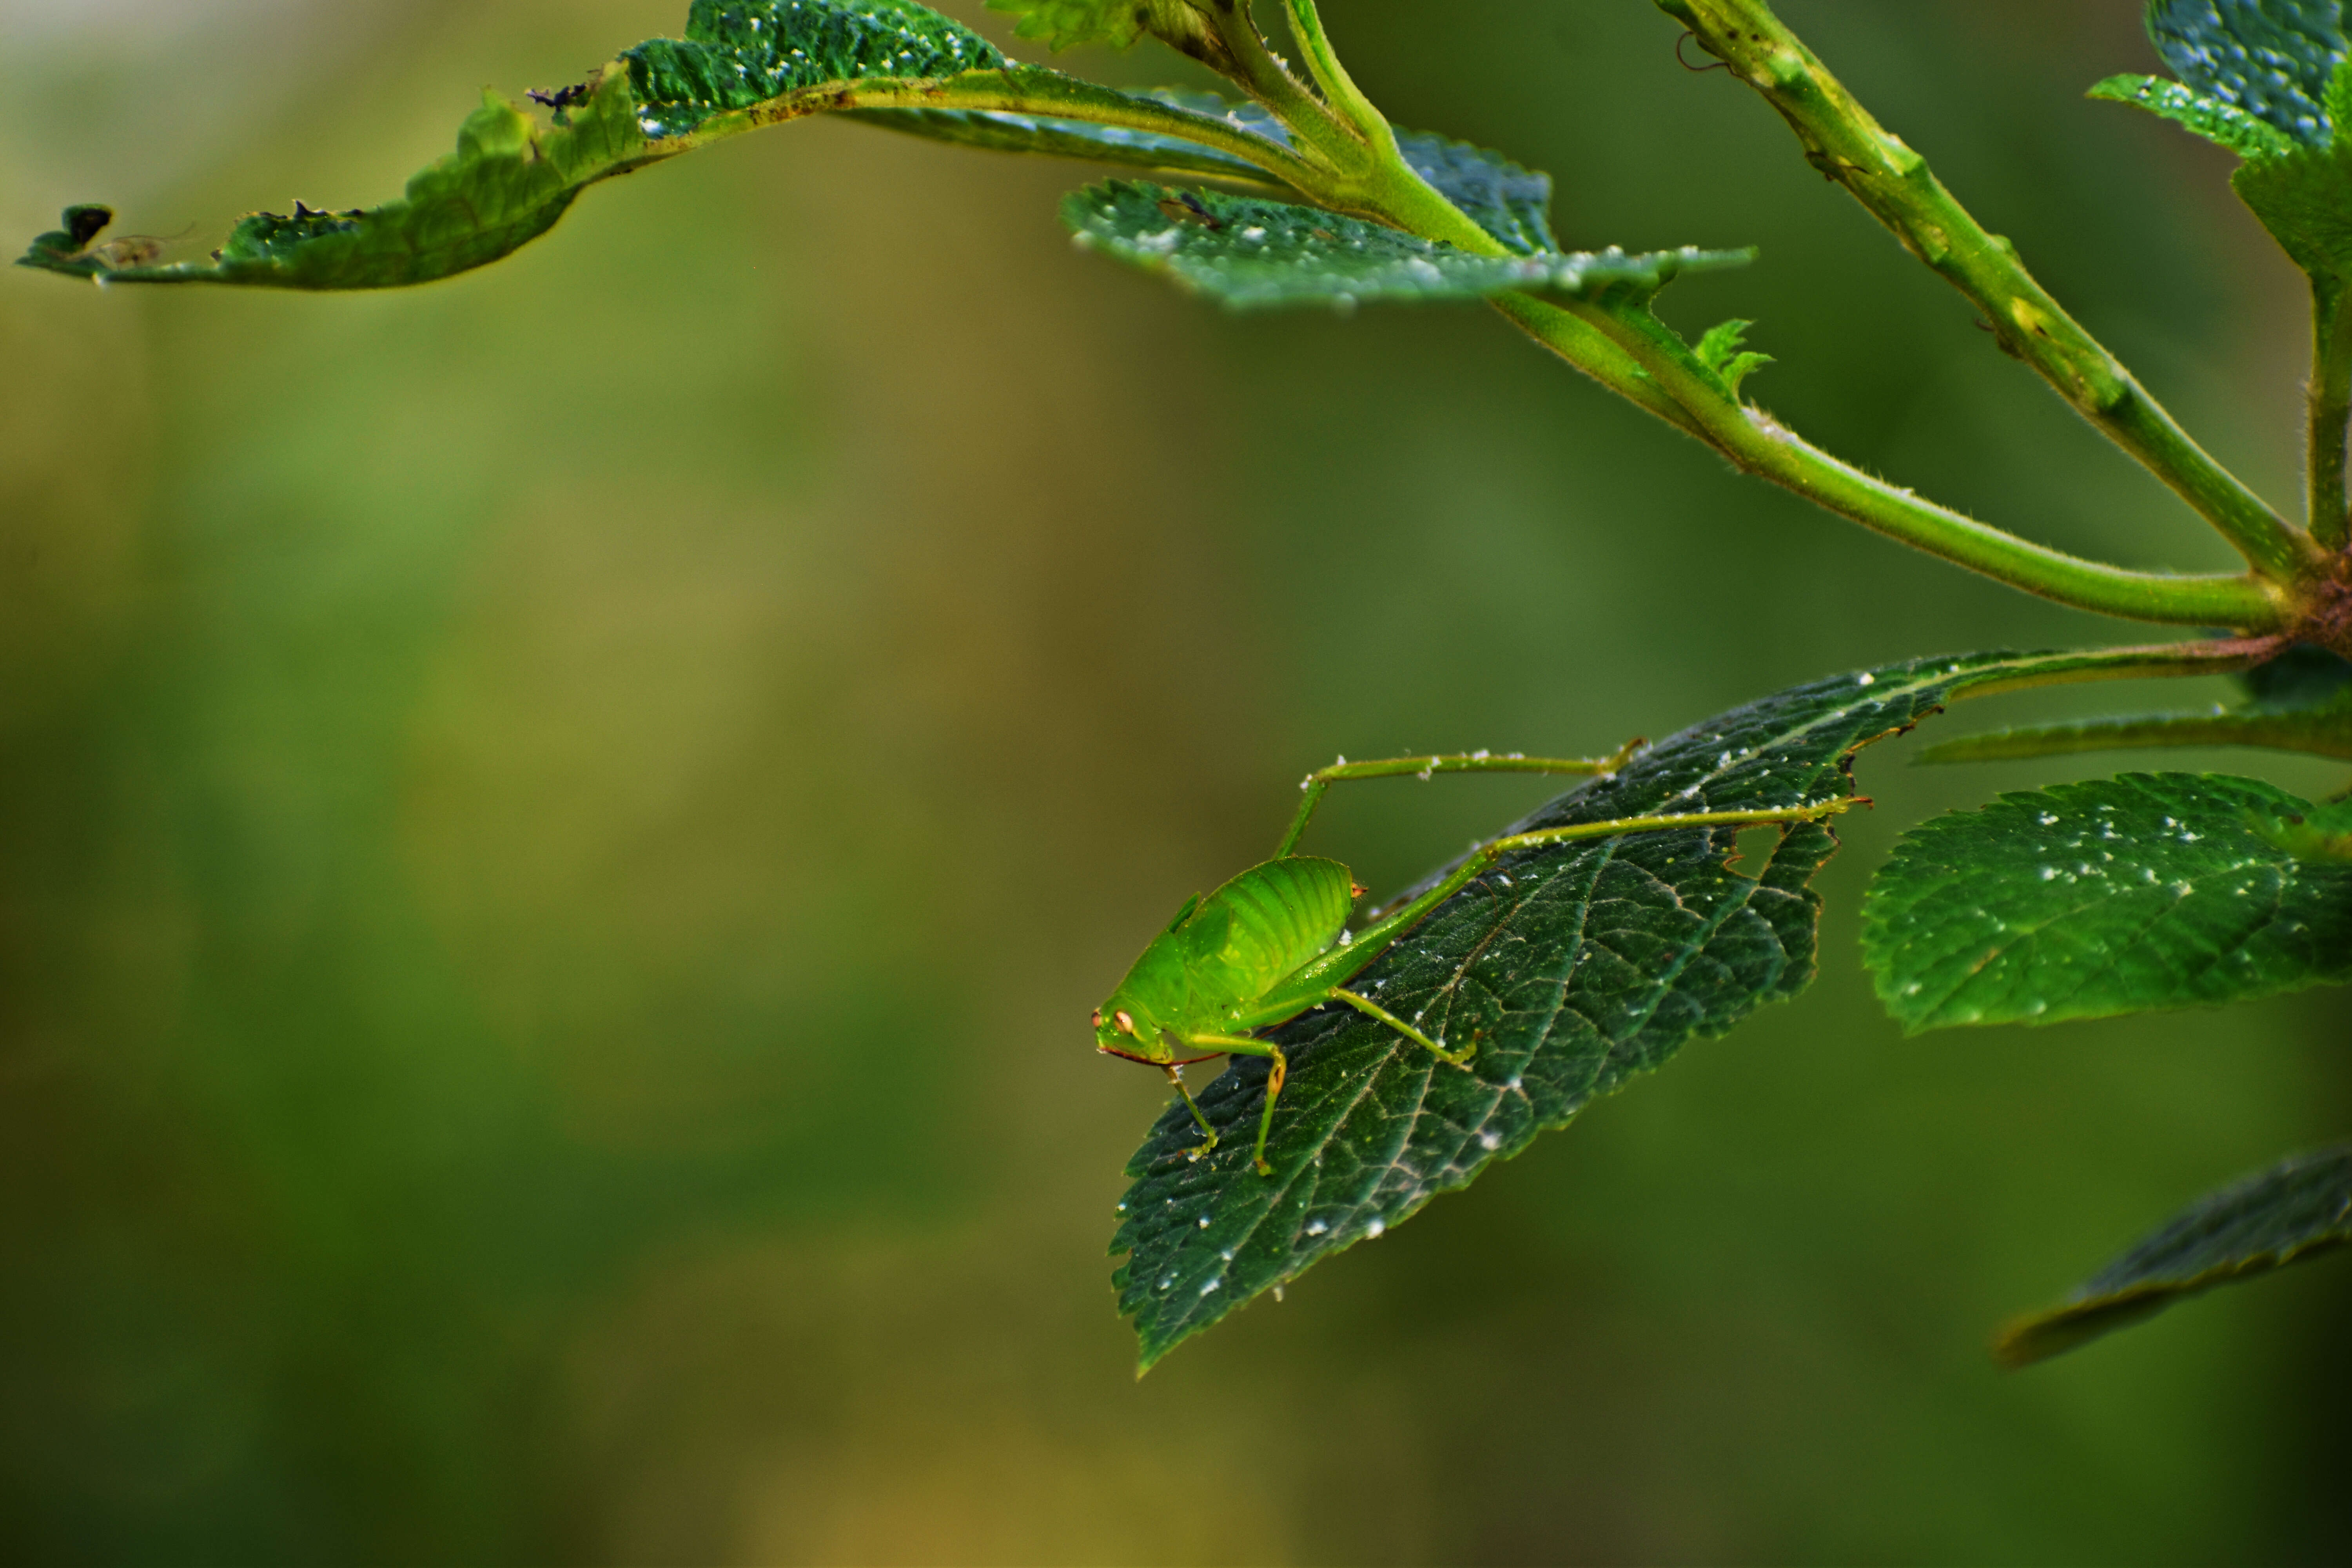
1126,1022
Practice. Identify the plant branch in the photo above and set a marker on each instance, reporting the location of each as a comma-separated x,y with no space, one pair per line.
1760,445
2330,410
1894,185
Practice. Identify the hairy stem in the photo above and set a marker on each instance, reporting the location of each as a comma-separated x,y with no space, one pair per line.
1761,446
2330,410
1894,185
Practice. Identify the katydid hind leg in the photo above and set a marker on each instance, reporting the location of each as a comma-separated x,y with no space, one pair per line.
1317,783
1372,1009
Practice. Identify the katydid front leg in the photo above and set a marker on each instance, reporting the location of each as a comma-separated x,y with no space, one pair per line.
1321,781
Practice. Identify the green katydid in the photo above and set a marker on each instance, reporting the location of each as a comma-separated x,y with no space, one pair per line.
1272,943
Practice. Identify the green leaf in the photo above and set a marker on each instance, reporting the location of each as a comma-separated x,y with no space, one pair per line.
2294,1211
2211,117
2270,80
2305,199
1719,351
512,177
1002,131
2303,676
1510,203
1580,966
507,184
2271,59
2300,702
741,54
1249,254
2093,900
1065,24
2324,833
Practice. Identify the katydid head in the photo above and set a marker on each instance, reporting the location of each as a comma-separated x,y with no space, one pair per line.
1139,1019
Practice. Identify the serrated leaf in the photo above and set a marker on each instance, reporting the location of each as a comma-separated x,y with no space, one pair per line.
2090,901
2269,80
2211,117
2299,701
2305,199
2294,1211
512,177
2271,59
740,54
1250,254
1580,966
1719,350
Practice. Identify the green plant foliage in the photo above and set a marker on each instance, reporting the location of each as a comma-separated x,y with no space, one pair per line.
512,177
1576,967
740,54
2324,833
2093,899
1249,254
2300,702
508,182
2269,80
2211,117
1004,132
2295,1211
2271,59
1720,352
1065,24
1510,203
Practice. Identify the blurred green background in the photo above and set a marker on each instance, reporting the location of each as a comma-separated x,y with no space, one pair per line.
558,832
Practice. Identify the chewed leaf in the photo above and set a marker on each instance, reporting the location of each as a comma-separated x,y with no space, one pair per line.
743,64
2211,117
2093,899
2282,1215
1249,254
507,184
2271,59
1577,967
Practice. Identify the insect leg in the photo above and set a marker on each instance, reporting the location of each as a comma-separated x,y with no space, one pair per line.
1247,1045
1176,1076
1322,779
1365,1004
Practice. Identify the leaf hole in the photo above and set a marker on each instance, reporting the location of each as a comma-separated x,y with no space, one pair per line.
1755,849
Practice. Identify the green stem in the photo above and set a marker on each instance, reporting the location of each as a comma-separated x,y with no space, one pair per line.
1896,186
1340,89
2330,410
1588,349
1761,446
